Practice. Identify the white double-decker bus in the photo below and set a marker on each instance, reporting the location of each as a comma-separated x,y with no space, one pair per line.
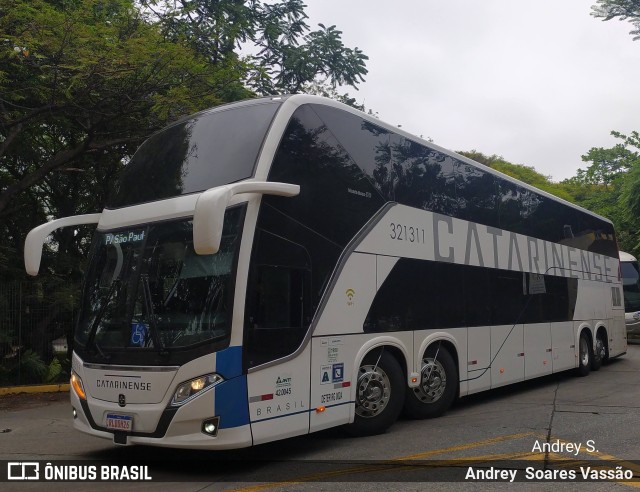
278,266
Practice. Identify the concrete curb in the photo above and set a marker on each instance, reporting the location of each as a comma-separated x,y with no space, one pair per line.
37,388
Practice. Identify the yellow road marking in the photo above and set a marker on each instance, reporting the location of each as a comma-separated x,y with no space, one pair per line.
462,447
391,465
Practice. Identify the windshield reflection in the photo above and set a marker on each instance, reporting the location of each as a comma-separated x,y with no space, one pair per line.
148,290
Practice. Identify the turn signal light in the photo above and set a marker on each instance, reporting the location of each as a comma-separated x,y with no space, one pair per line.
76,384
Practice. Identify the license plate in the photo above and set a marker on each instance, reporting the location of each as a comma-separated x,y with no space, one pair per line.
123,423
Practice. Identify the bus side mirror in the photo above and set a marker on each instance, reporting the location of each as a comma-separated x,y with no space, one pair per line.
35,239
208,217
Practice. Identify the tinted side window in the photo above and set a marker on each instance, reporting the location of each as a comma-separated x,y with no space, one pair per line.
592,234
511,208
425,177
507,297
279,306
366,143
401,170
407,300
421,295
476,192
478,296
452,282
419,176
336,199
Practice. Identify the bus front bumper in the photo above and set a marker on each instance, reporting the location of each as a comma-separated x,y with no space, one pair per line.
156,425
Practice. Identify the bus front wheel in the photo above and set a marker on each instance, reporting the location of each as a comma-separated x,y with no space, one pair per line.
438,385
379,394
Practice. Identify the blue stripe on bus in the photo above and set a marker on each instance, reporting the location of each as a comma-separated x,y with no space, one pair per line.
231,402
229,362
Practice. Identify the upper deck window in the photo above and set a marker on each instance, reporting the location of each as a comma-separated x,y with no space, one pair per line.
211,149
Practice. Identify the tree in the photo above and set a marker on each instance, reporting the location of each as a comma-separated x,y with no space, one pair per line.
624,10
284,55
82,83
610,186
82,78
630,190
621,163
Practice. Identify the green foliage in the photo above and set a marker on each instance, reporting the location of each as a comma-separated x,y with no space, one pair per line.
54,372
91,77
485,160
618,166
525,174
32,368
610,186
624,10
84,82
29,368
286,56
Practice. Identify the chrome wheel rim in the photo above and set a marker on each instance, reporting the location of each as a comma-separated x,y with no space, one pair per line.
600,350
374,391
433,381
584,352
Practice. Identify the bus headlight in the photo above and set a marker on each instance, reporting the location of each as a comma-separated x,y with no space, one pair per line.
76,384
190,389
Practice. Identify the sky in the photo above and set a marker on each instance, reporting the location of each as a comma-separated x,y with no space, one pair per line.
537,83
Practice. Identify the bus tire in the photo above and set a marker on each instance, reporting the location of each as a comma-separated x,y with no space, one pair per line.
438,385
379,394
585,355
600,355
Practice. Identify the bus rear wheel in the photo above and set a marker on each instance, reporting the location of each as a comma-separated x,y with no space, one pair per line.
379,394
600,355
585,355
437,388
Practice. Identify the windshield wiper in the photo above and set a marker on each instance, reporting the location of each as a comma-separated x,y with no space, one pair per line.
96,322
148,302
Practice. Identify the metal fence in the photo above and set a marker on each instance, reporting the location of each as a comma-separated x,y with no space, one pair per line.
34,335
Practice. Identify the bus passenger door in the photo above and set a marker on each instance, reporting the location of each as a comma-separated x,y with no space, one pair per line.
279,399
277,319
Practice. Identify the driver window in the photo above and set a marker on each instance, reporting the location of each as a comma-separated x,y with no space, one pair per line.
278,299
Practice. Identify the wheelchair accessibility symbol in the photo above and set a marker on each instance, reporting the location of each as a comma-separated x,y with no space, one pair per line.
138,334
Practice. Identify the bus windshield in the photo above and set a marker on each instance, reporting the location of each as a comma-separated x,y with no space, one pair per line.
147,291
631,285
210,149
